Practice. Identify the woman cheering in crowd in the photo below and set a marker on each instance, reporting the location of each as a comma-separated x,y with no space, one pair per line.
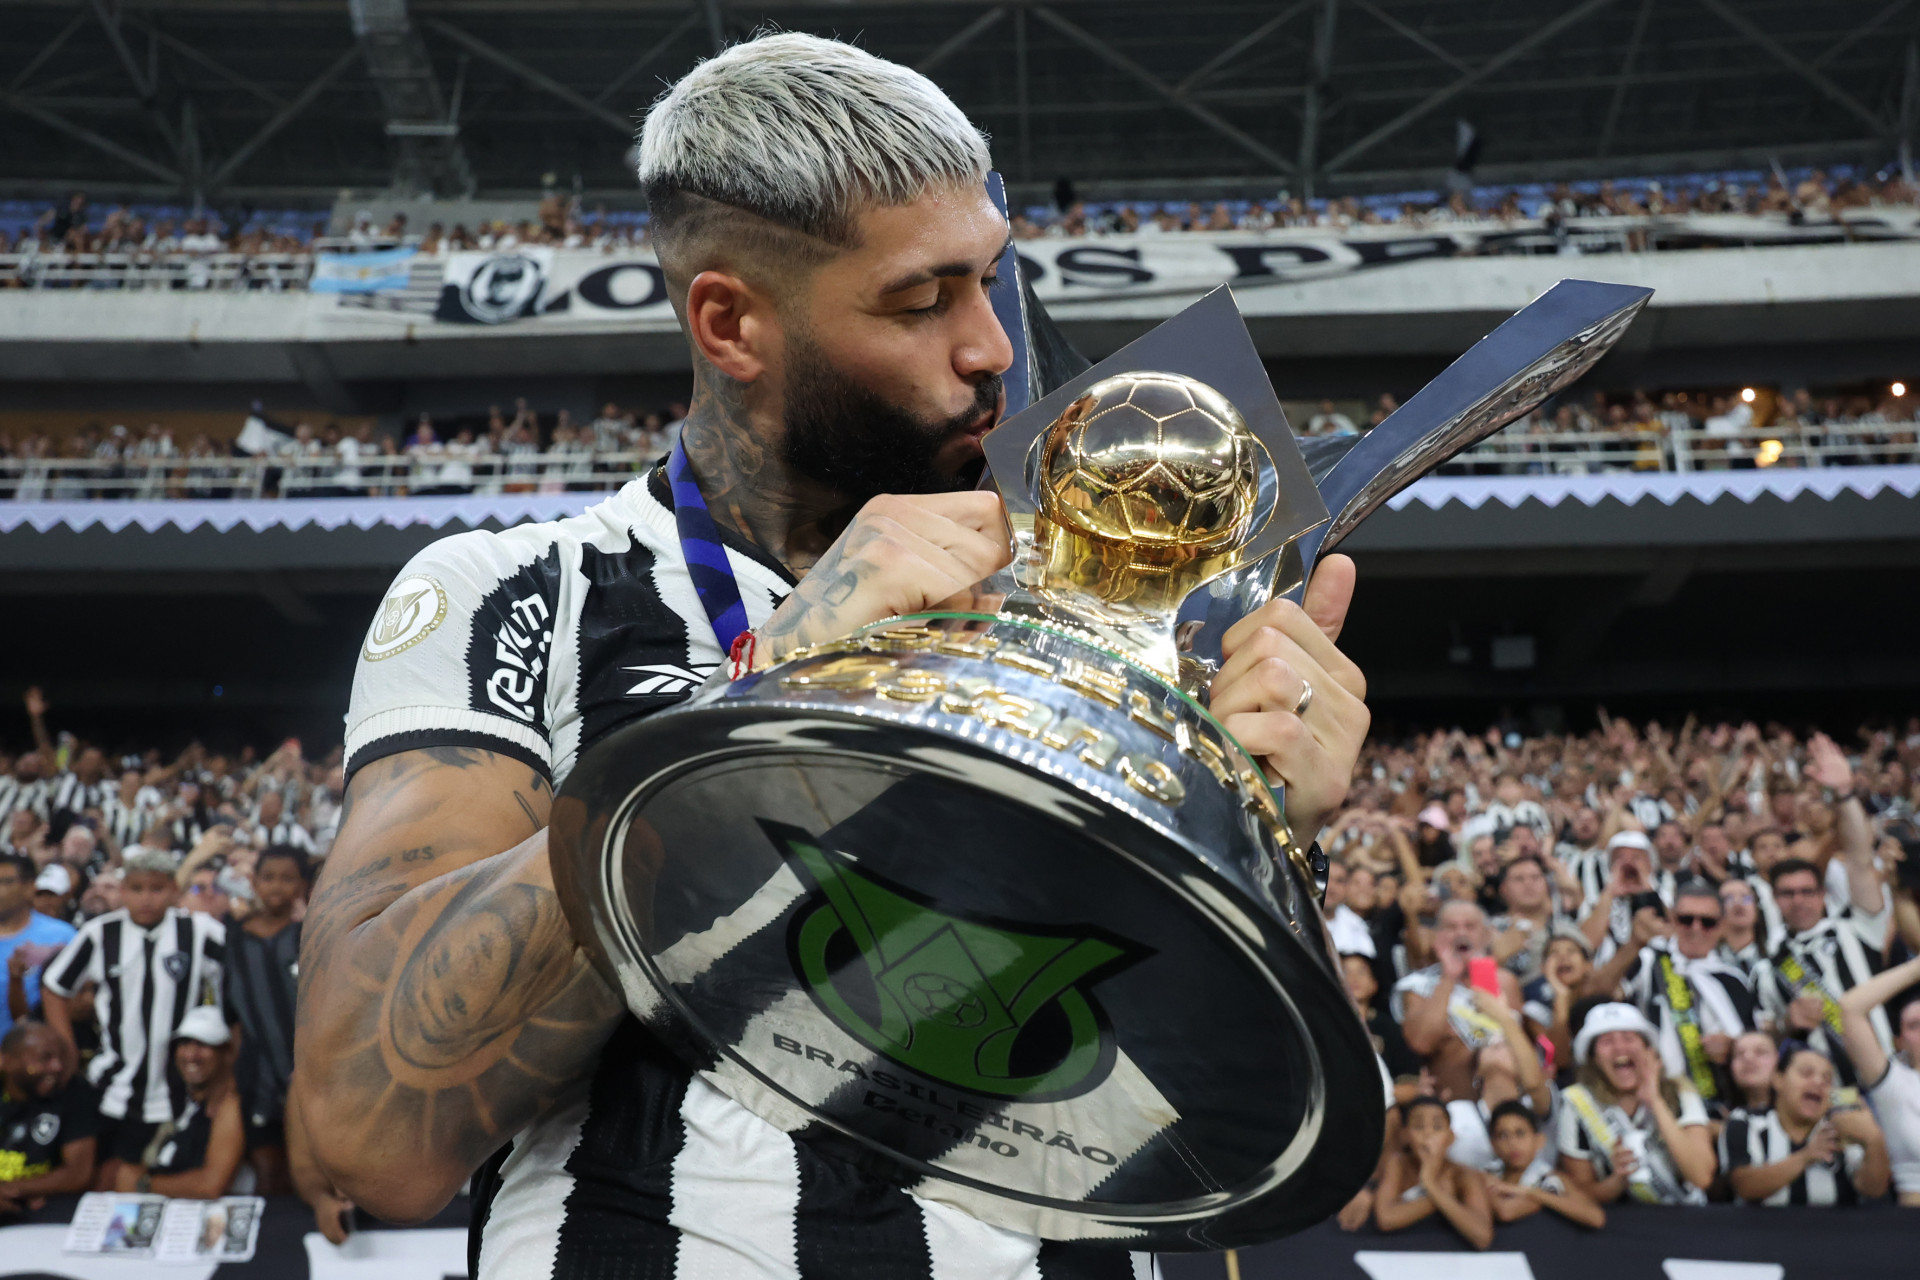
1626,1128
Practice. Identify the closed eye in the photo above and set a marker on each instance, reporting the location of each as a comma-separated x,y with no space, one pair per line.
943,298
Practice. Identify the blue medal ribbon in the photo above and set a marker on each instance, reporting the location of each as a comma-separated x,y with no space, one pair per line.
706,556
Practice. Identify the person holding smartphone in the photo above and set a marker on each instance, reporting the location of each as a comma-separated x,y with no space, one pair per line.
1436,1007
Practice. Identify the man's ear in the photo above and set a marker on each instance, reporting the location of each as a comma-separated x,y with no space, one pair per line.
732,325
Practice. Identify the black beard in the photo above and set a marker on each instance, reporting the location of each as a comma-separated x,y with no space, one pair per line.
845,436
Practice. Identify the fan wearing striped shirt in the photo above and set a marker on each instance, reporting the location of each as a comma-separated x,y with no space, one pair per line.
1804,1152
149,963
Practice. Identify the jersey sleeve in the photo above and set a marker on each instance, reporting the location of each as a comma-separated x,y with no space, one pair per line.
1571,1138
1736,1150
1637,983
1871,929
74,967
458,652
80,1112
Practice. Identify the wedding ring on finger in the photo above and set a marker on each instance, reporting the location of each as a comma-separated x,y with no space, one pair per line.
1306,698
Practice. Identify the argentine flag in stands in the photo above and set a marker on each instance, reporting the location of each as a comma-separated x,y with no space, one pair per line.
361,272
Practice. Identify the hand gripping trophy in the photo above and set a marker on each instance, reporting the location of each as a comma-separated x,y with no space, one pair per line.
987,898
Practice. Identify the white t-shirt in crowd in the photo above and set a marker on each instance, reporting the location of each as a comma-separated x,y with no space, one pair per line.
1896,1103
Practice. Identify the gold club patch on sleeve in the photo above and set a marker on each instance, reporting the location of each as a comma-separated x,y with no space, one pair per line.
412,609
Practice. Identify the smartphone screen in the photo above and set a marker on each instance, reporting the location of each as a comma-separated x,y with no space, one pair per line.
1483,973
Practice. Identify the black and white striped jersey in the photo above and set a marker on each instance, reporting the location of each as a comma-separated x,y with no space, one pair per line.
286,831
1719,996
1754,1140
536,642
1589,868
146,980
66,793
18,793
126,823
261,977
1832,958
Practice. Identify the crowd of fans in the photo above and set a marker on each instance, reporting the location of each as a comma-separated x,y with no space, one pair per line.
1637,965
77,227
150,929
526,451
1576,434
1814,196
522,452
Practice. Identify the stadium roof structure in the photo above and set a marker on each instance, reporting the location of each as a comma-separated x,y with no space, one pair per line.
248,102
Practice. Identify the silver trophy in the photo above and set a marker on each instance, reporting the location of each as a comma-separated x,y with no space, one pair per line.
988,902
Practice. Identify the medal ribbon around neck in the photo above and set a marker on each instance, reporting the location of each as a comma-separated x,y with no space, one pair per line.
706,556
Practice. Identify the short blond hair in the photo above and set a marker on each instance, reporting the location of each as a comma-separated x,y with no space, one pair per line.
805,133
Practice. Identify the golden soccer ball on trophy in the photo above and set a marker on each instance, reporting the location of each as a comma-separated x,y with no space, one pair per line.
1150,482
1152,457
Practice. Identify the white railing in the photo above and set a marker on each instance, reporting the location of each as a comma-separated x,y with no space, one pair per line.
1511,452
313,476
1827,444
1479,234
138,269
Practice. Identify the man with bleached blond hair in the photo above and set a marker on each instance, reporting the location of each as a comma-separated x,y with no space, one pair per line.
830,249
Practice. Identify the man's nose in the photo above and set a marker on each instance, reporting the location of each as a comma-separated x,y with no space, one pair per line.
983,346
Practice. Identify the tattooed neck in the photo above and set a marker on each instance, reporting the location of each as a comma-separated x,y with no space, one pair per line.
747,485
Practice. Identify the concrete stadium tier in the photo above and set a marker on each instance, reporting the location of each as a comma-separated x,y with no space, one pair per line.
1335,324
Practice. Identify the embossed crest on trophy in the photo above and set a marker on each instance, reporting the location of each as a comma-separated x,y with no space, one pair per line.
988,900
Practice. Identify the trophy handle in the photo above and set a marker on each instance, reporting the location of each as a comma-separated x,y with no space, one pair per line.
1536,352
1010,308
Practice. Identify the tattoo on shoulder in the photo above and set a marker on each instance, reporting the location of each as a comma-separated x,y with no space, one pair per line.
473,1010
457,757
527,809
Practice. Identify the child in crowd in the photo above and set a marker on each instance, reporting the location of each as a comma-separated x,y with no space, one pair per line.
1523,1180
1550,998
263,965
151,956
1419,1180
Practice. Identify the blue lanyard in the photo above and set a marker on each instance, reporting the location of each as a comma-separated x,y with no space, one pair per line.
706,557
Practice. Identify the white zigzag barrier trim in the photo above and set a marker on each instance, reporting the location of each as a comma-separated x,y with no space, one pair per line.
1433,492
1666,488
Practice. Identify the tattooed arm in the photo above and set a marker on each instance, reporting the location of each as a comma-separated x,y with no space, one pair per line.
443,1002
900,555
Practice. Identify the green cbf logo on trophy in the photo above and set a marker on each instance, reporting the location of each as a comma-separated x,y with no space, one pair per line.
994,1009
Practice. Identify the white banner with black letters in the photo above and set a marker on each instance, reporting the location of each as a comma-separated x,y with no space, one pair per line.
540,283
584,287
574,287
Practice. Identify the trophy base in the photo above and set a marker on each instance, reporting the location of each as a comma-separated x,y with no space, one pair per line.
980,905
